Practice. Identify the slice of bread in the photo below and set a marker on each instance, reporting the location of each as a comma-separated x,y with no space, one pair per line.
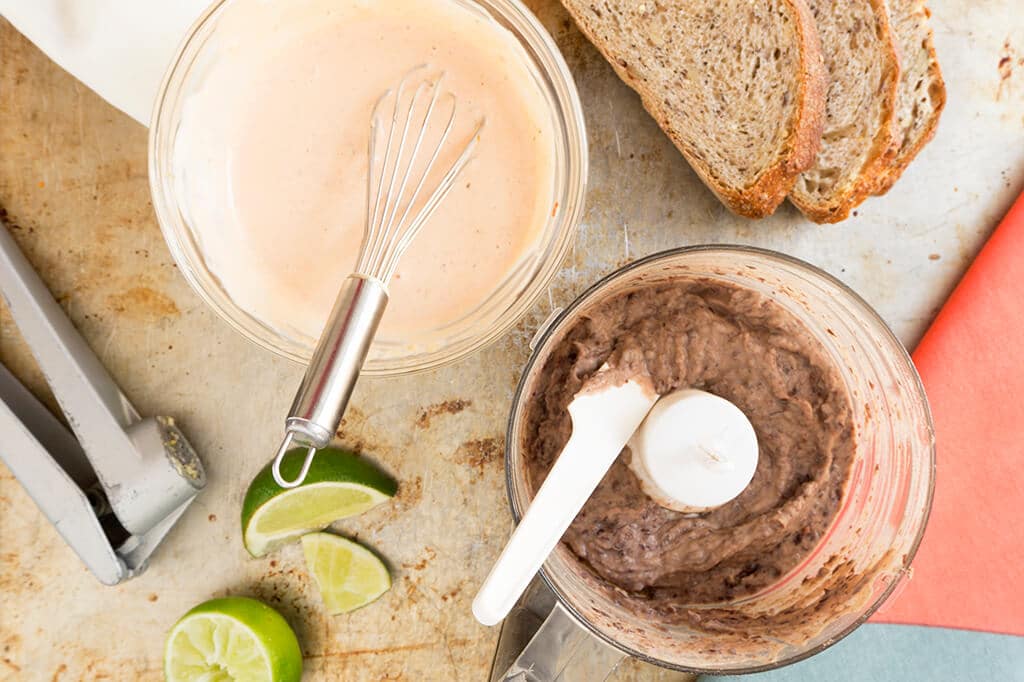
922,93
737,85
860,135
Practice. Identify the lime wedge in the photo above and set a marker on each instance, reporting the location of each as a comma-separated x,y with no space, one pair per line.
339,484
232,639
349,575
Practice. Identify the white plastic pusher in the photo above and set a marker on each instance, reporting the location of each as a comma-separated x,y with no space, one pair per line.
605,414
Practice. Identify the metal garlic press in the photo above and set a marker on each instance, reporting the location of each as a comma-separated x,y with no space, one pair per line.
113,485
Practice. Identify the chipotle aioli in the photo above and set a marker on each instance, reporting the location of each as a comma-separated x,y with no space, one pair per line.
271,157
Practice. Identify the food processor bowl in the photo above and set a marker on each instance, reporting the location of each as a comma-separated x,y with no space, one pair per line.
867,549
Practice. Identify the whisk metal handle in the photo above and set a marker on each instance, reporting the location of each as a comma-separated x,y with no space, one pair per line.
333,371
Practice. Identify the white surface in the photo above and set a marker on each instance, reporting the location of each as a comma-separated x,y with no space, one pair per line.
694,451
119,48
602,422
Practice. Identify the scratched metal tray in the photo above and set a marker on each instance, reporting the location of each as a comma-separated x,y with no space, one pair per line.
73,178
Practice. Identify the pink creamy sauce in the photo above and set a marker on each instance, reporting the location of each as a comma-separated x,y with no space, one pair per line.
271,158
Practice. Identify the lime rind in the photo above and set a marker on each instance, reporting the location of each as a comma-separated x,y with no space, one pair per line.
339,484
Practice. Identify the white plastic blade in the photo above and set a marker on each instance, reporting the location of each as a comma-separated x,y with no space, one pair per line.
603,421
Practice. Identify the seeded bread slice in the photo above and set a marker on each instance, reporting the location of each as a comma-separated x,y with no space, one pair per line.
860,136
737,85
922,92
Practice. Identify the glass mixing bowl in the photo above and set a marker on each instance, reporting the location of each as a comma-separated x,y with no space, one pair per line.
502,309
871,541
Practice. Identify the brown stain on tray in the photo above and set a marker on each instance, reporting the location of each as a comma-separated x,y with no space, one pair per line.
410,493
438,409
15,578
360,434
1007,58
10,651
143,302
428,555
479,454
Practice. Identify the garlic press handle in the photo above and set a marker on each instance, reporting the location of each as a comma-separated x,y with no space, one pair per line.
145,466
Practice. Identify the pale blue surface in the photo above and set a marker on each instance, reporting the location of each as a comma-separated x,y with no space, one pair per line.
905,653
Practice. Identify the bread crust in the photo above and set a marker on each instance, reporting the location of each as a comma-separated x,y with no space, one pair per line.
904,156
884,146
762,197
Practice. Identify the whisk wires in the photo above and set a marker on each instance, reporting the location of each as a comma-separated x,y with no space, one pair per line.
397,207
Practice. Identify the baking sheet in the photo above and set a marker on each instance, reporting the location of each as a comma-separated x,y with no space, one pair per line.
73,180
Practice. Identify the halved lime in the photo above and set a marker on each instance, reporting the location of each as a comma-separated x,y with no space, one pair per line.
233,639
339,484
349,575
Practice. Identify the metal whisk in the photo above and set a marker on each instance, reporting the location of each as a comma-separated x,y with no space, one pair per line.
403,191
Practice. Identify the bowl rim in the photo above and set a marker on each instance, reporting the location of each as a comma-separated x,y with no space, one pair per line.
902,355
570,136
